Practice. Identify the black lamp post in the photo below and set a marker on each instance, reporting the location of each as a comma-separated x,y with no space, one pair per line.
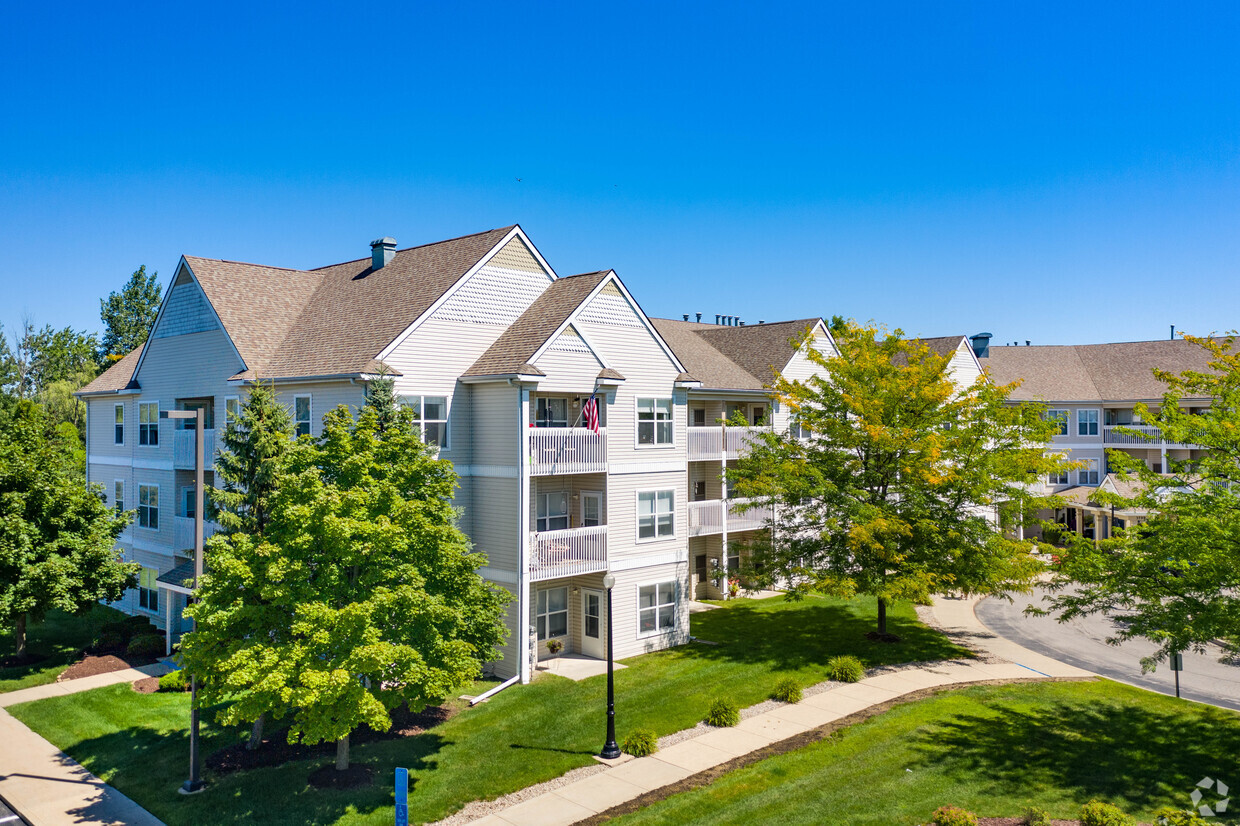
610,750
195,782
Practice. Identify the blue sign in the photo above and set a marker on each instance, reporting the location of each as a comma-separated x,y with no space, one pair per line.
402,797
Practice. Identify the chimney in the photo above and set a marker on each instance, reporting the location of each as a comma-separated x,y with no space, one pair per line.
699,318
761,321
981,345
382,251
686,316
1173,332
1028,342
717,317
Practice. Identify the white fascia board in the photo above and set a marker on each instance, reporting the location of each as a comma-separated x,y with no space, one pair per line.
519,378
515,232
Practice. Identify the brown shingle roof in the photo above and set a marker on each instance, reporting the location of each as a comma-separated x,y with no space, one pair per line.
117,376
1092,372
735,358
513,350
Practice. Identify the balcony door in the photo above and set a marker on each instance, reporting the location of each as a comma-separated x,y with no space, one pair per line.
591,508
593,643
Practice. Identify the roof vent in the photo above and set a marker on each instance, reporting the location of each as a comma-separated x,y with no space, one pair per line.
699,318
981,344
382,251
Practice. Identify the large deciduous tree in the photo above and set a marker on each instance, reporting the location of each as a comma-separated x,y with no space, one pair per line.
369,589
1176,577
892,484
128,315
57,536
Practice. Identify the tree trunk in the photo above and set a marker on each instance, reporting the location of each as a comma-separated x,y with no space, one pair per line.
20,632
882,615
342,753
256,733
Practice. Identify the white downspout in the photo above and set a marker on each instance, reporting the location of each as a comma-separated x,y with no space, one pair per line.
523,535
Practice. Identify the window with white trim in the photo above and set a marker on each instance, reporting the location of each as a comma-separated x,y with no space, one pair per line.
796,430
148,424
551,413
118,436
232,409
148,506
1061,416
301,415
656,514
148,590
432,415
188,495
1057,477
552,514
1087,422
118,495
656,608
654,421
1088,475
552,613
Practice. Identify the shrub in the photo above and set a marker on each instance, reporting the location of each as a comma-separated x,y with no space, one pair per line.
953,816
845,669
110,641
118,628
138,624
555,646
1097,813
174,681
640,743
1034,816
723,713
146,645
1178,817
787,690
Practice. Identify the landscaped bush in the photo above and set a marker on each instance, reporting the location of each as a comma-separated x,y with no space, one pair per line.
1036,817
787,690
1097,813
845,669
146,645
138,624
110,641
119,628
953,816
1178,817
723,713
640,743
174,681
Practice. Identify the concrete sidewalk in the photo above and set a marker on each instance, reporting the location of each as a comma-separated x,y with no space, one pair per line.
600,791
43,783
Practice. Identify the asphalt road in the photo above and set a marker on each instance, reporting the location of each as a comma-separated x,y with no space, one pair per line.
1082,642
8,817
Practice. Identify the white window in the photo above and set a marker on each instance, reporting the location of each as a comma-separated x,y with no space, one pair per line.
699,417
432,415
656,514
188,496
148,506
232,409
552,511
1087,422
654,421
591,508
1058,415
1088,475
551,413
1057,478
301,415
797,430
552,613
148,423
118,495
148,590
656,608
119,436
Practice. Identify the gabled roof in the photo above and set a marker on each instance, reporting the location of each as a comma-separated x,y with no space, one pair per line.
117,377
733,358
512,351
1093,372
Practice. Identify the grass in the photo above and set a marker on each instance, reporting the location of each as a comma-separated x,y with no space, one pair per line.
993,750
522,736
59,638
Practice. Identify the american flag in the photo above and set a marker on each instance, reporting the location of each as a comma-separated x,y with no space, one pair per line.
589,413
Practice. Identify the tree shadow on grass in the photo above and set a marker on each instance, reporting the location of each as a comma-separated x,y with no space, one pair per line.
1119,751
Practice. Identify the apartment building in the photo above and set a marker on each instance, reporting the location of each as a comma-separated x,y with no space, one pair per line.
500,358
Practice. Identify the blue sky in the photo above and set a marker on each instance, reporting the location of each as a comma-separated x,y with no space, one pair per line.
1040,171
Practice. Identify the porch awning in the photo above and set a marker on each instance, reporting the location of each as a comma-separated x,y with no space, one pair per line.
180,579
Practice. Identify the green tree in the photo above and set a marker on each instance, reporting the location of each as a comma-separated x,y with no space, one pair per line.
49,365
128,315
1176,576
369,588
895,490
381,397
57,536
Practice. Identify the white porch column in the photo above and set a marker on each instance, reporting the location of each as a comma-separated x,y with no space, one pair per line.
167,623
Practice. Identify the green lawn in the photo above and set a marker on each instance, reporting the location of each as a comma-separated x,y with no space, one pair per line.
522,736
60,637
993,750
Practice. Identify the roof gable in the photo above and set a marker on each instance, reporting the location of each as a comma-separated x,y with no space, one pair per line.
735,358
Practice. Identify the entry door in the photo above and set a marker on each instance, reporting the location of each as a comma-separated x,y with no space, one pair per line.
591,508
592,630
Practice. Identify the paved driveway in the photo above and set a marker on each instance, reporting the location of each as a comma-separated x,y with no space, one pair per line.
1082,642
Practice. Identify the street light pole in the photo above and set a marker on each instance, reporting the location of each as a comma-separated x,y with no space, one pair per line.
195,783
610,750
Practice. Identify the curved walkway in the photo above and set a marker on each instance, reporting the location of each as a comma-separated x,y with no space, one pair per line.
585,798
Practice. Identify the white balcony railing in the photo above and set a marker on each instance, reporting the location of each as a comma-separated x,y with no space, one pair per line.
183,449
748,520
556,450
706,518
720,442
555,554
1150,436
183,532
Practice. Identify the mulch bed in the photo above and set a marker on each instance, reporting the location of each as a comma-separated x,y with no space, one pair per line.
276,750
92,664
329,778
147,685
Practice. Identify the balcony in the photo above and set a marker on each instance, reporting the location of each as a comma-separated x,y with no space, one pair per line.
183,532
707,518
1150,437
555,554
560,450
183,449
707,443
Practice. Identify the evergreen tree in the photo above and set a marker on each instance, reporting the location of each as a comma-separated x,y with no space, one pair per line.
128,315
381,398
249,464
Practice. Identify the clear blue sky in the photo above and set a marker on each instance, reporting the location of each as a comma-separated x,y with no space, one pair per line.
1041,171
